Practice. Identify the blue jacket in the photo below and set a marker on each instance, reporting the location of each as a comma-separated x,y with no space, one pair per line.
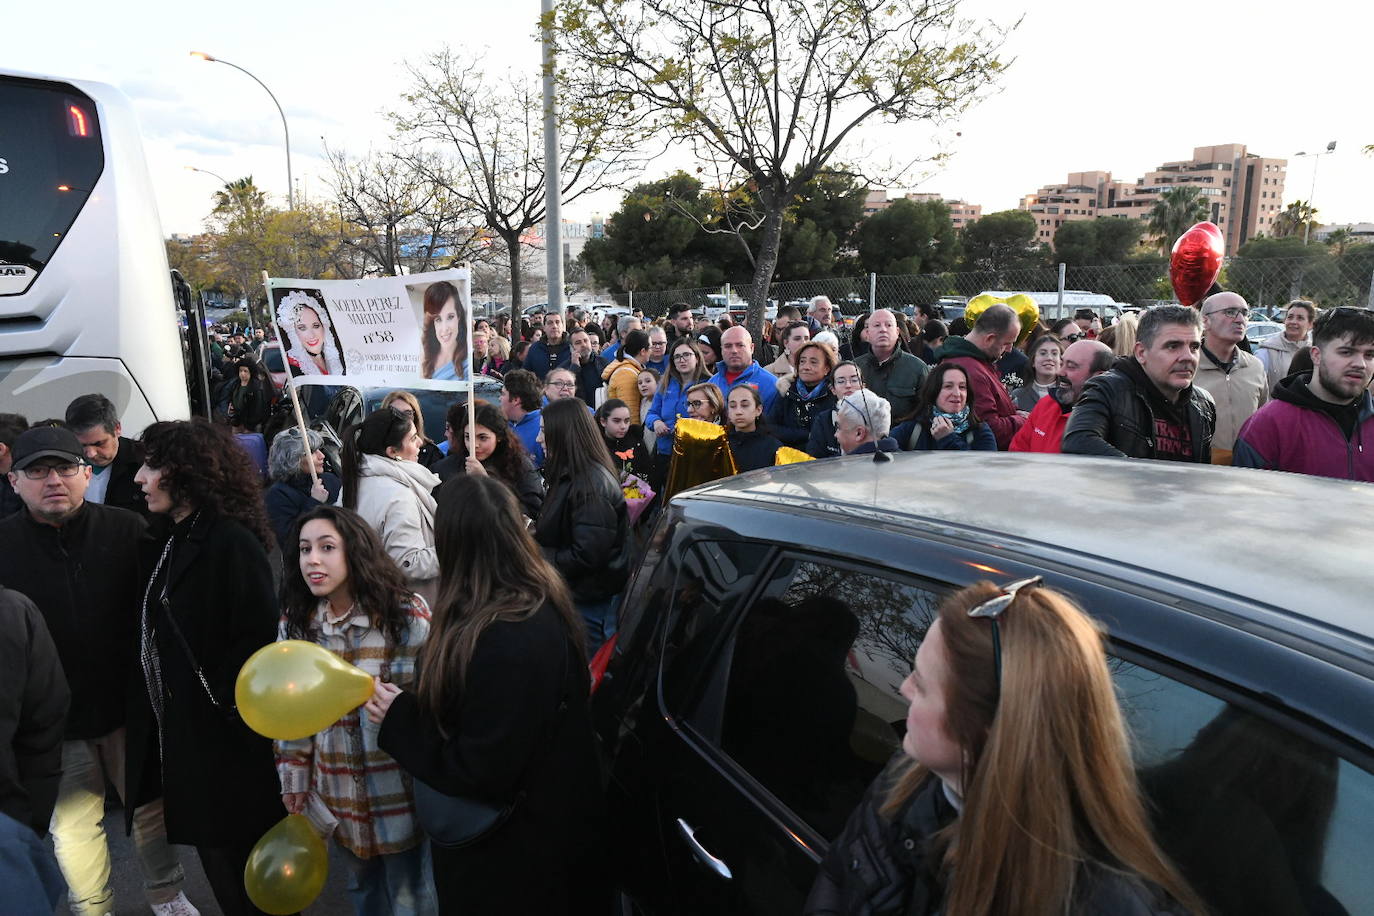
539,360
287,500
669,404
528,431
765,381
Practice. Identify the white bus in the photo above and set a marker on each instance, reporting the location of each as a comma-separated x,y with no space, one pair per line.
86,303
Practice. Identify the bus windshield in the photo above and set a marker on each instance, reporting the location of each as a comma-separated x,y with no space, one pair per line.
47,171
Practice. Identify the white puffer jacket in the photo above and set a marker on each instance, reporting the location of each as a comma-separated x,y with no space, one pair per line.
395,498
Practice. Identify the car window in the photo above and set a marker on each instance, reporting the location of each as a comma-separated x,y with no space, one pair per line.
272,359
812,708
1257,817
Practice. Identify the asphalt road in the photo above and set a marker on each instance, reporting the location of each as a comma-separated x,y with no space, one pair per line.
128,883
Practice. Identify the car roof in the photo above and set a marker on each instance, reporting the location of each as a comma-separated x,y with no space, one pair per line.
1292,542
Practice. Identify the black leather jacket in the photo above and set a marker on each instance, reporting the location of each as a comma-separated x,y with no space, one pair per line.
1115,417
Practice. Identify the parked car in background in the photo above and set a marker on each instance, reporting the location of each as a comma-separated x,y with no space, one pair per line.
1256,331
753,691
274,361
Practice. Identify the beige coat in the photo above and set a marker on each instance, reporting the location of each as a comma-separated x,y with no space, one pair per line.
1238,394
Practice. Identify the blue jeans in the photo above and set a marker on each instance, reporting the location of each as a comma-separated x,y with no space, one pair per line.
401,883
599,617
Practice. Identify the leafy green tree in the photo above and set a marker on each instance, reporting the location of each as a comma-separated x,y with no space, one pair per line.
769,93
908,237
1118,239
1002,241
1294,220
1270,271
1176,211
1075,243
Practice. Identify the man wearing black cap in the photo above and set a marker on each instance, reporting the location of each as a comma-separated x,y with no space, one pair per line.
78,562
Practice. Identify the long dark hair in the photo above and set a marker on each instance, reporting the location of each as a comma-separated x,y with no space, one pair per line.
492,571
573,445
374,580
203,467
373,435
437,296
507,460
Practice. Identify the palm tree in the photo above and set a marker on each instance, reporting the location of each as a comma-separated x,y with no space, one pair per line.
1175,213
240,195
1294,219
1339,240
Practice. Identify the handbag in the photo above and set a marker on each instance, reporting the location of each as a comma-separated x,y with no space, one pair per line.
455,822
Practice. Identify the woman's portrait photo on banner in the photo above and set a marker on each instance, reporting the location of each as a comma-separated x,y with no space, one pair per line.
443,330
303,321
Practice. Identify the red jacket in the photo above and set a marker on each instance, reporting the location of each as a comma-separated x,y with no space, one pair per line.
1044,429
991,402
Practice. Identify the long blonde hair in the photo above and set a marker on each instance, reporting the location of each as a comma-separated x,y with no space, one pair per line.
1048,780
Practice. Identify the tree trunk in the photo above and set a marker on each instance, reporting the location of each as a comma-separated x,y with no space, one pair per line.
513,252
765,263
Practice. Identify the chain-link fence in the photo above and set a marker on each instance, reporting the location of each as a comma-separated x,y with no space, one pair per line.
1266,283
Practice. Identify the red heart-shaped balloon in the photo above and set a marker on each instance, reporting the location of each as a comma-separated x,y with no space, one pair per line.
1196,261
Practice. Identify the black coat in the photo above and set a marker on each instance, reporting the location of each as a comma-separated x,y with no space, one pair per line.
542,357
123,492
528,488
507,741
753,450
33,713
287,500
584,531
218,778
822,442
881,866
10,502
792,418
589,379
85,579
1115,417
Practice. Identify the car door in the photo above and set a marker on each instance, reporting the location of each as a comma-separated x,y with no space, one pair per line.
780,705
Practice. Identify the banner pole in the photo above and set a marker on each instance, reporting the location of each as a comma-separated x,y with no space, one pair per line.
291,391
472,373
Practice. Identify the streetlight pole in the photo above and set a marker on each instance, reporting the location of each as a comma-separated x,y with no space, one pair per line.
1316,161
192,168
290,183
553,216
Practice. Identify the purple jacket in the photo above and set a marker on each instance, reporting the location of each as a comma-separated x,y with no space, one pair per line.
1292,433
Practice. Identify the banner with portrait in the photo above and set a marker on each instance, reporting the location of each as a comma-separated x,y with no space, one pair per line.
405,332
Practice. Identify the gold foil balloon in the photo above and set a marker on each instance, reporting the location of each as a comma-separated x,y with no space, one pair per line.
294,689
1024,307
287,868
789,455
701,453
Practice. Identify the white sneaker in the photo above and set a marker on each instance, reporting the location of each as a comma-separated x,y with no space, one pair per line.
177,906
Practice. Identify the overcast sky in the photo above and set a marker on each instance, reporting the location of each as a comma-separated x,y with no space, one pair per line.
1120,87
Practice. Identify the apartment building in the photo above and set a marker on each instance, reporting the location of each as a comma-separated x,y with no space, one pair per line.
1244,193
961,212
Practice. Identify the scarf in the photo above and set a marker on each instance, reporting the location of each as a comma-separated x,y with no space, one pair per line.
806,395
960,419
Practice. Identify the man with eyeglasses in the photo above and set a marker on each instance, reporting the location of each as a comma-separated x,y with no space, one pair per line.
78,561
1320,422
1235,379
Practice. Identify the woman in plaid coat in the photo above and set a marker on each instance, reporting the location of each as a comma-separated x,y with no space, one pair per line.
348,596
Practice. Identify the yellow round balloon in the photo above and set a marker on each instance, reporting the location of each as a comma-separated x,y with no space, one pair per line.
294,689
1024,307
287,868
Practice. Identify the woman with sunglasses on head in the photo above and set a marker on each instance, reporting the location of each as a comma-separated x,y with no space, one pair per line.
409,406
208,605
845,379
499,716
1014,790
385,484
494,450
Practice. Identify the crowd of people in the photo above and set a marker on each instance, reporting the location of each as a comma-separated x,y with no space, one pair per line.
475,578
